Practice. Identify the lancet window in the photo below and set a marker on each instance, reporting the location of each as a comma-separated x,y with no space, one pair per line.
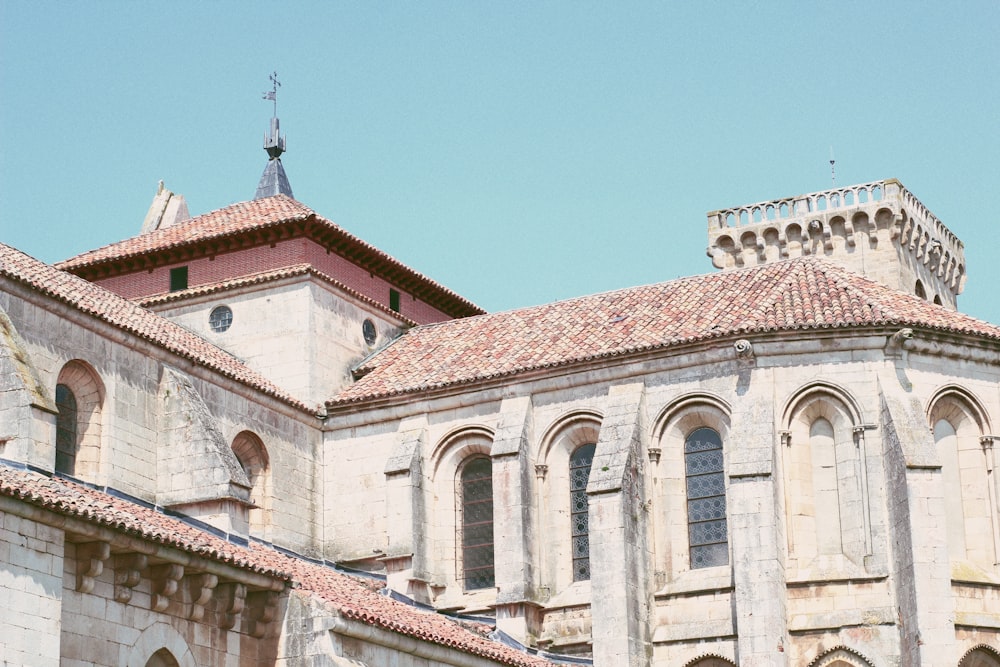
66,430
708,535
477,523
580,462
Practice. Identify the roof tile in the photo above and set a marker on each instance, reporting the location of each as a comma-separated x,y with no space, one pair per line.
354,599
255,215
113,309
804,293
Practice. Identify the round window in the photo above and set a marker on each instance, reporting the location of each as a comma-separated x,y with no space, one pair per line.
220,319
368,330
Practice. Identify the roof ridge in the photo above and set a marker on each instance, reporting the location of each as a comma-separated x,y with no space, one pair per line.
192,222
129,316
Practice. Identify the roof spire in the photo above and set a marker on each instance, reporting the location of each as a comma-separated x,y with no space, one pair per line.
274,181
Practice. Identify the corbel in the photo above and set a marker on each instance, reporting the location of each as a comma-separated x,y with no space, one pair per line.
265,606
235,599
90,557
166,579
202,587
894,345
540,471
849,233
128,573
654,454
987,443
744,351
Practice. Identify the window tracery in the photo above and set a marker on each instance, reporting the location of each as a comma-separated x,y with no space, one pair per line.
580,463
708,535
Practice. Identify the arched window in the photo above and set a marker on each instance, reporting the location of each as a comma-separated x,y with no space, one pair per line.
579,472
162,658
67,439
708,537
477,523
981,656
252,455
958,425
920,291
79,399
826,487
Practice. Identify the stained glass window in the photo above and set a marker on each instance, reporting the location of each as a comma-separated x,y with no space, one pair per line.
66,430
579,471
477,523
706,499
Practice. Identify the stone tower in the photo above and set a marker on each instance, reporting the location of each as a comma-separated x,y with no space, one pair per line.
878,229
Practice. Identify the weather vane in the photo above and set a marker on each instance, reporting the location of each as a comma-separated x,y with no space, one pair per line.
833,172
273,93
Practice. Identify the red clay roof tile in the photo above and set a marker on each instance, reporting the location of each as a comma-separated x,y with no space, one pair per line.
238,219
353,598
115,310
796,294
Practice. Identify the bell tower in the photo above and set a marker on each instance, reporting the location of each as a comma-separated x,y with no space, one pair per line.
877,229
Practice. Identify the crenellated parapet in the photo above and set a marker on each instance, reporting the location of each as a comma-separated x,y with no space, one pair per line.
879,229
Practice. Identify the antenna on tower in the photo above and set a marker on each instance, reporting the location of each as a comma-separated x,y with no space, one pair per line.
833,170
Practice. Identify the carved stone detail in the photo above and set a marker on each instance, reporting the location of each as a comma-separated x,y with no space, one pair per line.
202,587
265,605
128,573
894,346
90,557
235,600
166,579
654,454
744,349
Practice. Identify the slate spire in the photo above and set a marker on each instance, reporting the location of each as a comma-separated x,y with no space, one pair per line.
274,181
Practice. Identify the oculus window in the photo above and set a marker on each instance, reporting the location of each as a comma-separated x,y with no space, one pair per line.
220,319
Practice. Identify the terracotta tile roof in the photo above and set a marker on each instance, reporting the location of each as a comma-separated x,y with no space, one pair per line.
358,600
798,294
265,277
242,217
82,502
271,212
124,314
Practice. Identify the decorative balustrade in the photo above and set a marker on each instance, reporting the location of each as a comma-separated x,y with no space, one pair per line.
830,222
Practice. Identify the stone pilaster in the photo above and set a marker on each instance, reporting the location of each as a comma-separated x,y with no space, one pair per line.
917,513
620,555
406,553
512,517
756,529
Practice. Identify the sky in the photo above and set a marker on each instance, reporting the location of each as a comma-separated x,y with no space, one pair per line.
518,153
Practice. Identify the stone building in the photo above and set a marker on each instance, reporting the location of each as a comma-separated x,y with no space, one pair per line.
249,437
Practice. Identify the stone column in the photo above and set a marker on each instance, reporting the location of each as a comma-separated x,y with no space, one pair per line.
516,604
620,554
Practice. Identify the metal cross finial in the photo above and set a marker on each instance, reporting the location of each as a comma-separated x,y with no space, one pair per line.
273,93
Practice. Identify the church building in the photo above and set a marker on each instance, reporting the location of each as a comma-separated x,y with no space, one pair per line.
251,438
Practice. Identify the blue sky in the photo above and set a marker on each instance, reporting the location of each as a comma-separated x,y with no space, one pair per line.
516,152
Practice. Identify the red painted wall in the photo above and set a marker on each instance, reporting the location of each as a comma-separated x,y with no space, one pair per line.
238,263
